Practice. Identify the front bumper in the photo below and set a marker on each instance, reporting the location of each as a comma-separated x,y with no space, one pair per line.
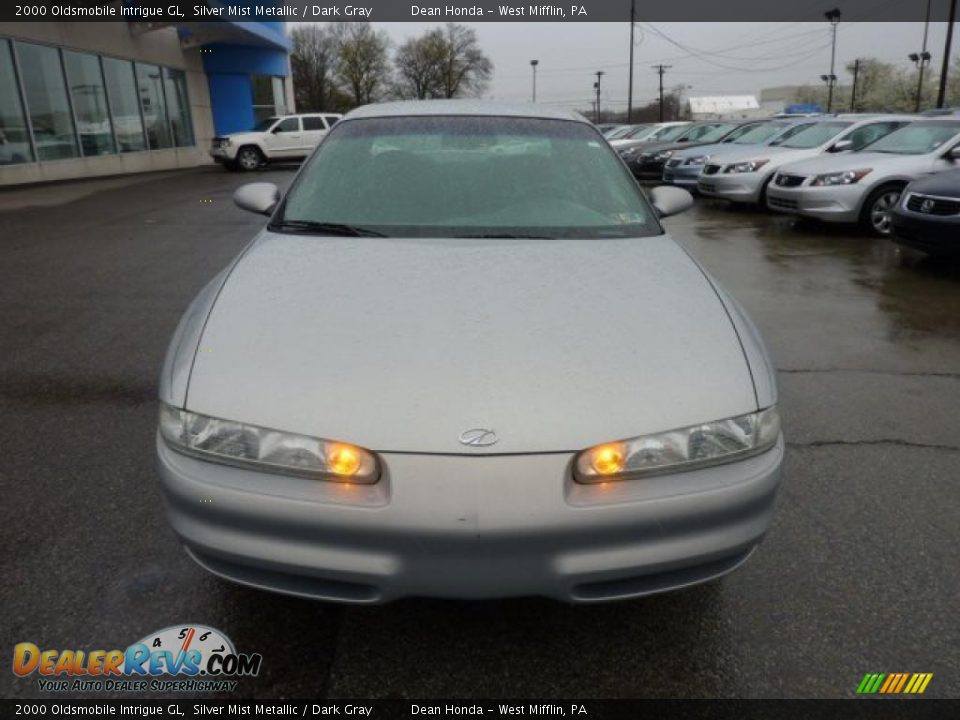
835,203
937,235
646,169
470,527
223,153
682,175
736,187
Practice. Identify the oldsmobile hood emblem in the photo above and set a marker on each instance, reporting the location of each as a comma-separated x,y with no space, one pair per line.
478,437
927,206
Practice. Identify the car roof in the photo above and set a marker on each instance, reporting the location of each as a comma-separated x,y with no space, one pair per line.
489,108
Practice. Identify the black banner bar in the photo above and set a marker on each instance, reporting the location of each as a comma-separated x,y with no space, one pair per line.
161,11
912,709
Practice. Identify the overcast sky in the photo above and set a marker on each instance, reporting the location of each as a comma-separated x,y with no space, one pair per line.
729,58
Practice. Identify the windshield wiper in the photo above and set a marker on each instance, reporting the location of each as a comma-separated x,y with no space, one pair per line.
504,236
326,228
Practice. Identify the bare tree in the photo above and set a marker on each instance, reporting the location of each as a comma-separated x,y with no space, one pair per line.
419,66
466,70
362,63
313,62
442,63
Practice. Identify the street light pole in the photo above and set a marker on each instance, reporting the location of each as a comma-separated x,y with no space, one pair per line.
533,64
833,16
923,59
951,21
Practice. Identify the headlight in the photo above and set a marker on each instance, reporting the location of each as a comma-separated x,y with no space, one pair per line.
665,155
629,152
709,443
746,167
698,160
847,177
237,443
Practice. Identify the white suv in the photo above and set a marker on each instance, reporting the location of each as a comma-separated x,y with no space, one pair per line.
276,139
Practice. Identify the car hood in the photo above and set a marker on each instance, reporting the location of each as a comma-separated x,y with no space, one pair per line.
776,155
661,146
945,184
403,344
696,150
887,162
242,136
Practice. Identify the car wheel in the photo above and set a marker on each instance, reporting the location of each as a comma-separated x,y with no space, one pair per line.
249,158
875,217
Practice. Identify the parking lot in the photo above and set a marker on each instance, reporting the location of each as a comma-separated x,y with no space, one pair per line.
858,574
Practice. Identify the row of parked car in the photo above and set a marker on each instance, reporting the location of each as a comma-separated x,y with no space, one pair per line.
895,175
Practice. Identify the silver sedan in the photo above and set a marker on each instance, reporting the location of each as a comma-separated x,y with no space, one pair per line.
464,359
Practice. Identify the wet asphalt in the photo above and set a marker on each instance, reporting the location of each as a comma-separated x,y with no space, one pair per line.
859,573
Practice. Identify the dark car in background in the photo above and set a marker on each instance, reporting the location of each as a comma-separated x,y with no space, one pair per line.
647,161
928,215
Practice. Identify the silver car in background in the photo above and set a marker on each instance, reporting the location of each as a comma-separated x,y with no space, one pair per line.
464,359
684,166
655,132
743,177
864,187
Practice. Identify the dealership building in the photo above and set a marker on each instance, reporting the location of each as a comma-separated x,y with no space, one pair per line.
88,99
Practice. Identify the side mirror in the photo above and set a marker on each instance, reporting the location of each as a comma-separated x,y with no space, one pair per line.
841,145
668,200
260,198
954,153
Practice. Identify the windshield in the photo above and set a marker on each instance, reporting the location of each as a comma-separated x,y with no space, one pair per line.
669,133
264,125
756,134
636,131
467,176
918,138
815,135
712,133
614,133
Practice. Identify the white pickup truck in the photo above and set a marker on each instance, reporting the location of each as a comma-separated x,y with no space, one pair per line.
275,139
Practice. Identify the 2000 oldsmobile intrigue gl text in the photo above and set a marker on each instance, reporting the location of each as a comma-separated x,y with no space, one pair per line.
465,360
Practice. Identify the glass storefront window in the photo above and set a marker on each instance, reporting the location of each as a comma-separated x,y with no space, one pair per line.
14,137
178,102
124,104
150,89
77,103
89,103
268,96
46,94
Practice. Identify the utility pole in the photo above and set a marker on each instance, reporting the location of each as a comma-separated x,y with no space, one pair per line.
661,69
533,64
853,92
833,16
942,94
630,81
596,85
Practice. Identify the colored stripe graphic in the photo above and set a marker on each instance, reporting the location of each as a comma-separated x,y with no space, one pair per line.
894,683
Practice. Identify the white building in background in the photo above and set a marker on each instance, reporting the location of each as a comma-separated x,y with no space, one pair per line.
724,107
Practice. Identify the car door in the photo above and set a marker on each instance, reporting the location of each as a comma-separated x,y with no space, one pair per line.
314,130
286,139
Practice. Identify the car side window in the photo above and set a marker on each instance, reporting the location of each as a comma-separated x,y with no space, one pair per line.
288,125
331,120
313,122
